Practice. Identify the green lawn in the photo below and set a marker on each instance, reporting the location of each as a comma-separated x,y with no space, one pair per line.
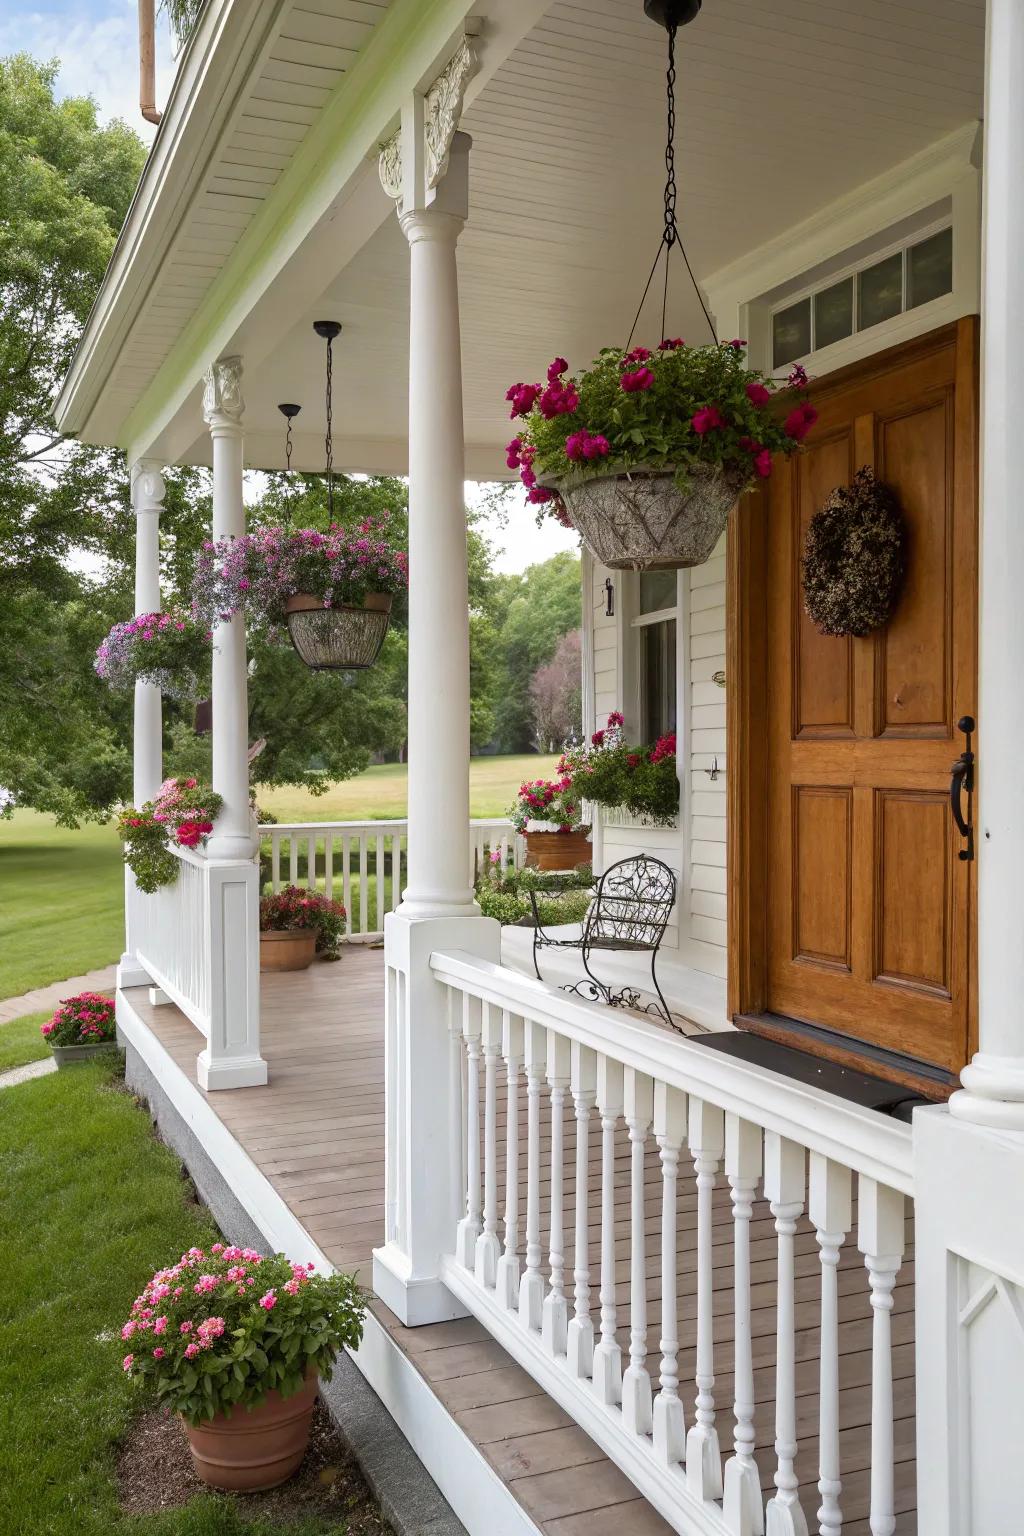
90,1204
21,1042
61,901
62,893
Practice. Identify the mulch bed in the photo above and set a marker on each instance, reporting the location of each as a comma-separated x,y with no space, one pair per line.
154,1473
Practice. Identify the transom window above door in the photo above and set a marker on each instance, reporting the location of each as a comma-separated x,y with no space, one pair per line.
888,285
655,628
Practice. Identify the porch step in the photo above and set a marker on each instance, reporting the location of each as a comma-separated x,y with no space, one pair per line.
893,1099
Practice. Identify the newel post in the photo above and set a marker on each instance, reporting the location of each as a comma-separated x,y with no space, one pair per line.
147,493
426,1193
969,1159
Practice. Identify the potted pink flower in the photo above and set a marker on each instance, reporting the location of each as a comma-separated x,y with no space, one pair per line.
182,815
548,814
235,1344
295,925
81,1027
645,453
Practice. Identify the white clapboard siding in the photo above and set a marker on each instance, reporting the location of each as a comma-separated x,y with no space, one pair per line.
606,681
706,882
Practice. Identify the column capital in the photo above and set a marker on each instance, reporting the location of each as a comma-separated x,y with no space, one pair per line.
148,487
410,173
431,224
222,395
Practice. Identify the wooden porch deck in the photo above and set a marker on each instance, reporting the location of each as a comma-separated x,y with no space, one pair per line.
317,1133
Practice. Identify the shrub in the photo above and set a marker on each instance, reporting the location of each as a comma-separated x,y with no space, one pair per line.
225,1327
85,1019
294,907
561,898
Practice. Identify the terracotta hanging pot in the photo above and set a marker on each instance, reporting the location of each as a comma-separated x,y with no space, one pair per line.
644,521
557,850
345,638
287,949
249,1449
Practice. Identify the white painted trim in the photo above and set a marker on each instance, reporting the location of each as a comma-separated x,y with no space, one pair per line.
662,1485
588,709
474,1490
861,1139
179,998
616,816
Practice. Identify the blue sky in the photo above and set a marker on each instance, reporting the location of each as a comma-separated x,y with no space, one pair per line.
97,44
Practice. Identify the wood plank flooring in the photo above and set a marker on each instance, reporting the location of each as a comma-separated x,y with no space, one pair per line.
317,1133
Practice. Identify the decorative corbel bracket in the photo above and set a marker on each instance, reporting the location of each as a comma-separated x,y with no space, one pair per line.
442,109
222,393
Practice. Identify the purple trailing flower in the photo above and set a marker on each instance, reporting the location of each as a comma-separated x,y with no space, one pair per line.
167,649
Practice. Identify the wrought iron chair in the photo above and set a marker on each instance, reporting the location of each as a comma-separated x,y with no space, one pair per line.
630,912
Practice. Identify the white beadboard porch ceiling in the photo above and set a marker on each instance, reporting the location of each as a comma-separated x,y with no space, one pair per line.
783,106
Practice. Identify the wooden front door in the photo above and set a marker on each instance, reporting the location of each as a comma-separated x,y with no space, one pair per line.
868,906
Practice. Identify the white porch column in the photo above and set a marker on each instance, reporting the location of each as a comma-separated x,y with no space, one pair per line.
222,408
969,1162
425,1109
439,865
993,1091
147,492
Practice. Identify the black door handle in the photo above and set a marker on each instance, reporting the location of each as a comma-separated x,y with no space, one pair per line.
961,781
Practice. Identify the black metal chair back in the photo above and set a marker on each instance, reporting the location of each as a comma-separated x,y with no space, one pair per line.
632,905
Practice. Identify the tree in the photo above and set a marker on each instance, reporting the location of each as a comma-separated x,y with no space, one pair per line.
531,613
556,693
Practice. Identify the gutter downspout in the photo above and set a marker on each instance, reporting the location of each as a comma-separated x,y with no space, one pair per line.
147,61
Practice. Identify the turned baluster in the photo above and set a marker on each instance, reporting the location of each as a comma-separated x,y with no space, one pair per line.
580,1333
470,1226
637,1412
829,1207
703,1457
784,1184
531,1286
880,1237
670,1132
743,1505
488,1248
607,1355
507,1280
555,1314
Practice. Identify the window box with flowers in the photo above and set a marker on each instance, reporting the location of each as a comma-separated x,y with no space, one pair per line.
333,591
638,781
81,1027
548,815
231,1330
182,816
295,925
644,453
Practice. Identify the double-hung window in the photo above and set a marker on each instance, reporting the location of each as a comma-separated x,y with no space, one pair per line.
655,628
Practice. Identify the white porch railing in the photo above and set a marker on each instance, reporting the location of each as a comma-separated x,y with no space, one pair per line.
198,940
362,863
777,1141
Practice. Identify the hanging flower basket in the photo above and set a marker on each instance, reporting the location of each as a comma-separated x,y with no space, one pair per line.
644,453
345,638
650,521
167,649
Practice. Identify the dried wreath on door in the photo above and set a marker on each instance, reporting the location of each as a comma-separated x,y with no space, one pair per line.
853,558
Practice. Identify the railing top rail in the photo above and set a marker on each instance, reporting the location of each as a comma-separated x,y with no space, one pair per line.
379,825
858,1138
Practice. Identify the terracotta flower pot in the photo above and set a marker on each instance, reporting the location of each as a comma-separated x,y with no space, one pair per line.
557,850
644,522
247,1450
290,949
344,638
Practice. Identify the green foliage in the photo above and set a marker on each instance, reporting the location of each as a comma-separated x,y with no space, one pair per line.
642,780
560,898
529,613
653,427
242,1326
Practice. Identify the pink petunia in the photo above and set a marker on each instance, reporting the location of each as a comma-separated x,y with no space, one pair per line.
707,419
636,380
758,394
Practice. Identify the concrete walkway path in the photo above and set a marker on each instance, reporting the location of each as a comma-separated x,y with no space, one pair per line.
50,996
26,1073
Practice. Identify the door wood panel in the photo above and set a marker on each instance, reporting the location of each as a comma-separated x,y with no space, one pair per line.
840,830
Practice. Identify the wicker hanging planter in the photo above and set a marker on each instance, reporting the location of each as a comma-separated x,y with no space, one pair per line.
644,520
344,638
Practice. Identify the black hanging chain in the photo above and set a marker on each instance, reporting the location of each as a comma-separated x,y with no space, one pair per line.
670,230
288,445
330,428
